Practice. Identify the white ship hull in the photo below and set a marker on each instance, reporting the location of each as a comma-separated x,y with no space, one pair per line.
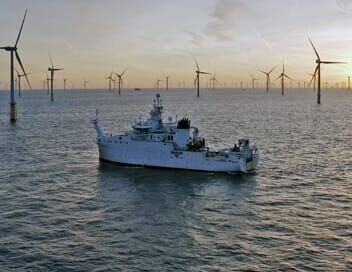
174,145
124,150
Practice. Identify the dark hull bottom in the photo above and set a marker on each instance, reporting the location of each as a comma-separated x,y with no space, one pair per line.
161,167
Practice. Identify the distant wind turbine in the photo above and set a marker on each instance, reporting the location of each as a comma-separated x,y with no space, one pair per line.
318,61
158,83
282,76
197,75
13,51
167,82
348,83
119,76
213,79
47,82
65,79
268,77
19,81
52,70
110,79
85,84
253,81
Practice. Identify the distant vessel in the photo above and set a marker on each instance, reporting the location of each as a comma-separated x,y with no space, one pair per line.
173,144
137,89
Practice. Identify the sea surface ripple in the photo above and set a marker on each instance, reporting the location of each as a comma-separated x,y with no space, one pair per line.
63,210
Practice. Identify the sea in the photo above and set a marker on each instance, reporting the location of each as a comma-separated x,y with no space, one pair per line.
61,209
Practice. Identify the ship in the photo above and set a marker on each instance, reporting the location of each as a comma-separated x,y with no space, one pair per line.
172,144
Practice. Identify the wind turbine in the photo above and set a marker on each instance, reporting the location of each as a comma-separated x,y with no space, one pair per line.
13,51
167,82
47,82
19,81
268,78
85,84
158,83
197,75
52,70
110,79
213,79
65,79
348,82
120,80
318,61
282,76
253,81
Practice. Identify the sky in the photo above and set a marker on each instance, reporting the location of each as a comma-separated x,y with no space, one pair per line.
155,38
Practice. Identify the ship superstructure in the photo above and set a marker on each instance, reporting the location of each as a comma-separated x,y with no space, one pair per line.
172,144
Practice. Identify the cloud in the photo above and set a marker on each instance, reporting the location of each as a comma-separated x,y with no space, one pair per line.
345,5
196,39
225,16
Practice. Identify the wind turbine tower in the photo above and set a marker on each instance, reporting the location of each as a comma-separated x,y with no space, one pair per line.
167,82
348,82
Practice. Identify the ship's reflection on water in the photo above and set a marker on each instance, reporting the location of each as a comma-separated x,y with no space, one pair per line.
148,210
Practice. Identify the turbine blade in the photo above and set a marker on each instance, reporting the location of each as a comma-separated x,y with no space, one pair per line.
313,76
333,62
19,33
272,69
196,63
51,61
288,77
278,77
123,72
21,65
316,52
204,73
